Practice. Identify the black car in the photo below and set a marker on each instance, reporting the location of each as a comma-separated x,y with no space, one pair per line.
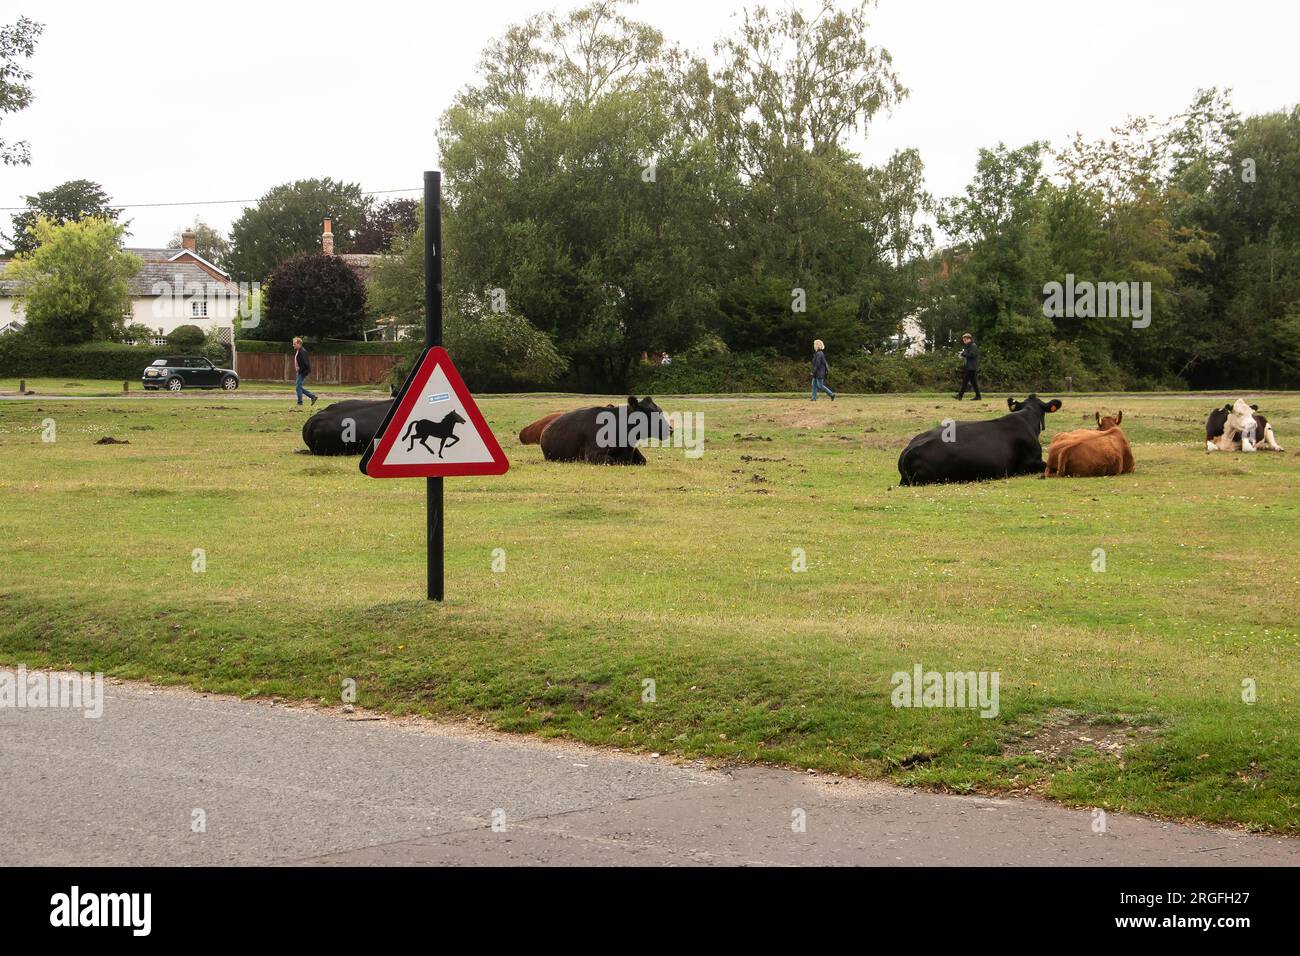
176,373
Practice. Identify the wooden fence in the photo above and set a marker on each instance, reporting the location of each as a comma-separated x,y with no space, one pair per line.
325,369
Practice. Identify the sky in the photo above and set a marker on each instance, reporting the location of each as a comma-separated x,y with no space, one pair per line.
191,103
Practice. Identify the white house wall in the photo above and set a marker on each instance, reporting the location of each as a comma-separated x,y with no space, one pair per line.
158,313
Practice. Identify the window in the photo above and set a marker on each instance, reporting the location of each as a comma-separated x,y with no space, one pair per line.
199,310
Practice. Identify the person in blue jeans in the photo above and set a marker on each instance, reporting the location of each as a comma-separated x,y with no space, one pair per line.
820,369
301,368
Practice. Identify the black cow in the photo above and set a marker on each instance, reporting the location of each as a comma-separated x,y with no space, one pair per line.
974,451
605,435
328,432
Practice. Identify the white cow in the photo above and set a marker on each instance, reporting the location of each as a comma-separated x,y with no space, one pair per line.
1237,426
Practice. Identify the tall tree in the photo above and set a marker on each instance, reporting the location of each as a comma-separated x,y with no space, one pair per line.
312,294
69,202
575,193
999,262
287,220
17,43
74,286
789,90
385,222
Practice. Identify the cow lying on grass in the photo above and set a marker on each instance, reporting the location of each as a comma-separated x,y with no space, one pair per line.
974,451
532,434
602,435
344,428
1239,427
1090,452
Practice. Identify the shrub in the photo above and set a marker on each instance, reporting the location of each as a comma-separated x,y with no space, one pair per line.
185,337
1044,371
312,294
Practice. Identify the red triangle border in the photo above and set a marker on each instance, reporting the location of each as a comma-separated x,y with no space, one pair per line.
372,461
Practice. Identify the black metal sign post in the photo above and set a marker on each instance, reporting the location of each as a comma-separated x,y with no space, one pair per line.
432,337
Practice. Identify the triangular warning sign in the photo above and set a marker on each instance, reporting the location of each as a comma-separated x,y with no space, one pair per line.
434,428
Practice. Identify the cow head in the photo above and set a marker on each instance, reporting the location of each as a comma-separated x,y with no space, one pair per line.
1108,421
646,419
1034,408
1241,420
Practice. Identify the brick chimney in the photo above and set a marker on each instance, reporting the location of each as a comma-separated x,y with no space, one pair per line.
327,237
187,241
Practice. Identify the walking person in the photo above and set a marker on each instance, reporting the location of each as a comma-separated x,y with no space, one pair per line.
971,354
301,368
820,369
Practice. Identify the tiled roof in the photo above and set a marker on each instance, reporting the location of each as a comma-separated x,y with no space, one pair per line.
361,261
156,268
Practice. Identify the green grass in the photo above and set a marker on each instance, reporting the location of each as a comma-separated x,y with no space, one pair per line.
1128,683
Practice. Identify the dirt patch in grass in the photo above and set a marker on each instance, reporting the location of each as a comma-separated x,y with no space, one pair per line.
1059,734
820,418
590,512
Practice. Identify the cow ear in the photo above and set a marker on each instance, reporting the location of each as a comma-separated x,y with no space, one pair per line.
631,402
1097,415
1011,403
1054,404
647,400
1255,407
1119,416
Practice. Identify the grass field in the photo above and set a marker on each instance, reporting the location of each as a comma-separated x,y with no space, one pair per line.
1120,688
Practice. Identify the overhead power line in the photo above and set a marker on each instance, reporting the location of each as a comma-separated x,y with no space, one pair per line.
212,202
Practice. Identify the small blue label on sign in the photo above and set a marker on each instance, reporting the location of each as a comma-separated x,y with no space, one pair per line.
439,397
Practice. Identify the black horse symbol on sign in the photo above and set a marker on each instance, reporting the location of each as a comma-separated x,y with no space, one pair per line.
444,431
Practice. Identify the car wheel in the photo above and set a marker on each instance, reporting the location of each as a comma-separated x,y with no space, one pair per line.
230,383
175,384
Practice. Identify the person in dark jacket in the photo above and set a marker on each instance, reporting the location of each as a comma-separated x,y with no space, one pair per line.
970,353
820,369
301,369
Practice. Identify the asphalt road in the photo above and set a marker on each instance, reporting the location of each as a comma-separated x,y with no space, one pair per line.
279,784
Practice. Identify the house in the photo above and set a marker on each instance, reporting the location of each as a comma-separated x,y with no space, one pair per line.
174,287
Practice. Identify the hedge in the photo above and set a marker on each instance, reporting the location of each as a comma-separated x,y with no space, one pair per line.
22,356
881,374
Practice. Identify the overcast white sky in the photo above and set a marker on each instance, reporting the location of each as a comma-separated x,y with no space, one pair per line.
187,102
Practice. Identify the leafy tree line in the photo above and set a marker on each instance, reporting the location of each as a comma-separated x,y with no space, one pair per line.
629,197
1201,206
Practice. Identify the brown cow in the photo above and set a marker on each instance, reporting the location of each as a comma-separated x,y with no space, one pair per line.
532,434
1091,452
